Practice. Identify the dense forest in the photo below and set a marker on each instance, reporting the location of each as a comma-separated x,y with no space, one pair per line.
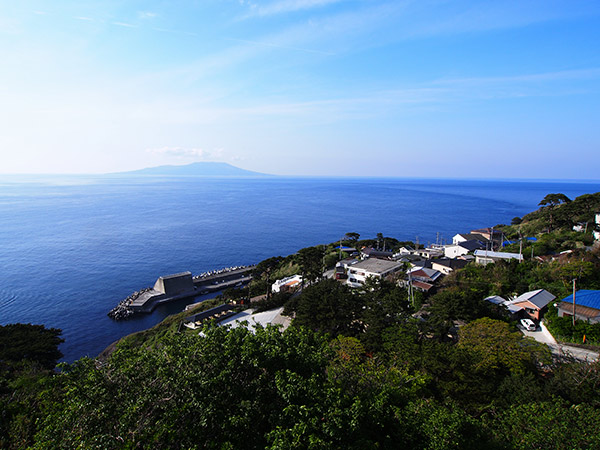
357,369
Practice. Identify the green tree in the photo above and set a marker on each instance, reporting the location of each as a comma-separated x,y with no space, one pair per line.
551,424
311,263
549,204
226,389
380,240
384,304
352,237
265,268
33,343
328,307
497,348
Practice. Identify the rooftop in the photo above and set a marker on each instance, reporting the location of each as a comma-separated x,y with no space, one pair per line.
497,255
584,297
378,266
539,298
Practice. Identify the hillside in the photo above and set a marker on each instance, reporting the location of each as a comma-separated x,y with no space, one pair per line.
355,370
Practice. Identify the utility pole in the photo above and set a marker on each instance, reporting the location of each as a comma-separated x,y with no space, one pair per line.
520,246
410,290
574,302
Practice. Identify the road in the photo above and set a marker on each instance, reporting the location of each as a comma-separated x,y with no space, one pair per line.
541,334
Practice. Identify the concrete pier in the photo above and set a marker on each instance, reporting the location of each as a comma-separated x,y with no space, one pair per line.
177,287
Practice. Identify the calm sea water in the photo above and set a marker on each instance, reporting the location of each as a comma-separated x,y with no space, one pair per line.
72,247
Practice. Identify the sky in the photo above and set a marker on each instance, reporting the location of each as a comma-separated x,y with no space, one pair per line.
425,88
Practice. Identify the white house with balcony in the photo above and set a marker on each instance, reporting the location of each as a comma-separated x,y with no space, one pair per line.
377,268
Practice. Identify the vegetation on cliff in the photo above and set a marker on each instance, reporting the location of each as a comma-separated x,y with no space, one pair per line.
357,369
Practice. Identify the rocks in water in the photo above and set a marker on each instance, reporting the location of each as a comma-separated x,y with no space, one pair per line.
123,309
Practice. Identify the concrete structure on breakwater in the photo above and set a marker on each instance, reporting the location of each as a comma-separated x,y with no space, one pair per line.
179,286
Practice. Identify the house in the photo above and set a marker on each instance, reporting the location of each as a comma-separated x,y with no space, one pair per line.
414,260
445,266
371,267
462,248
372,253
402,251
287,284
424,274
597,230
489,233
458,238
421,285
430,253
533,302
514,310
587,306
340,273
486,257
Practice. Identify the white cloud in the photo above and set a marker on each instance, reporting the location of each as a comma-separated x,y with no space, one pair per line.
288,6
147,15
188,153
124,24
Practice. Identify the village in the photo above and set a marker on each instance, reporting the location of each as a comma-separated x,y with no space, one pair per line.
421,270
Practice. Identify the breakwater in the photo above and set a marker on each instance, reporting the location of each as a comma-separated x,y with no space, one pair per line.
180,286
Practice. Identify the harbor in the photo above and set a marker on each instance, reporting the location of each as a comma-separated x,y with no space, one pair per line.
180,286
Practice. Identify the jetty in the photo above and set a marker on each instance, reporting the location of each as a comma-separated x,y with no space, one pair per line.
180,286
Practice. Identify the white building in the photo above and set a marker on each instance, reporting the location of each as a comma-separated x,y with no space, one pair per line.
486,256
430,253
287,284
378,268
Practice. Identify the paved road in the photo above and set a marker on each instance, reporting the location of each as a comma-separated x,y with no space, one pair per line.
329,273
543,335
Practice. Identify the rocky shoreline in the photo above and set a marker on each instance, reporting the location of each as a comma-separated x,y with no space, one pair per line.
123,310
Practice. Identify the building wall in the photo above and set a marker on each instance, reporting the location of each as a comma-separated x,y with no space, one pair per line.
530,309
175,284
441,268
457,238
454,251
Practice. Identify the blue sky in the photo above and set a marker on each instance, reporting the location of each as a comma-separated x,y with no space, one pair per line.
303,87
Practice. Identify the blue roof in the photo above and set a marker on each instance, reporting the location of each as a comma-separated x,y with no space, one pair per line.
584,297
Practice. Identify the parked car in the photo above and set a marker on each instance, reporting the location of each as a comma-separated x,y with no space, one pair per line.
528,324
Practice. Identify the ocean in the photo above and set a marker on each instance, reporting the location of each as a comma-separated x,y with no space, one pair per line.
72,247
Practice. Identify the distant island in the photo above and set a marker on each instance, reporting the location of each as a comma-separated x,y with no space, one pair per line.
197,169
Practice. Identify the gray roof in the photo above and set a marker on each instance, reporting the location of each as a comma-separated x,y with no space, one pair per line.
473,237
495,299
539,297
451,263
371,252
472,245
497,255
377,265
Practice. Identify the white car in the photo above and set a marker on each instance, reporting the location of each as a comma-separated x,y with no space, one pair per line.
528,324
